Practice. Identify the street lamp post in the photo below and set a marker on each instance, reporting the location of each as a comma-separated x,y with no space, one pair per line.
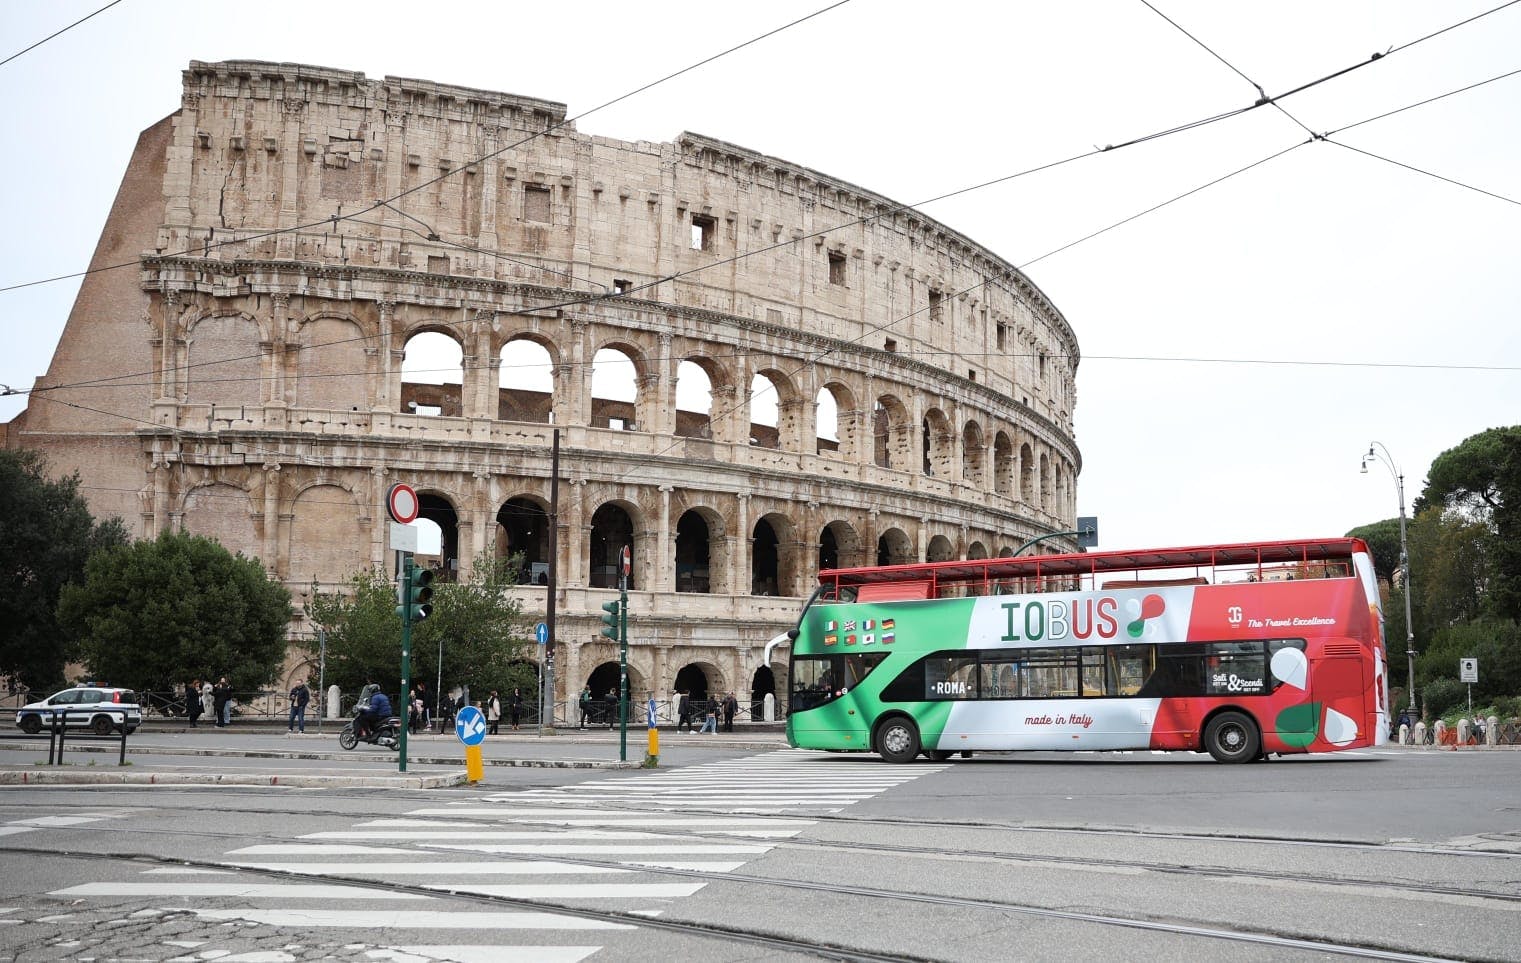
1377,452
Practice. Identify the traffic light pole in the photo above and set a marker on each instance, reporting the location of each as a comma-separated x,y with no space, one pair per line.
406,655
623,671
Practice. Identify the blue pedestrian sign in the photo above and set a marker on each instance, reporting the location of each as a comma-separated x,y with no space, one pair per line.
470,726
541,633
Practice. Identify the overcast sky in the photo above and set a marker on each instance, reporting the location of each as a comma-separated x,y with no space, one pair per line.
1240,347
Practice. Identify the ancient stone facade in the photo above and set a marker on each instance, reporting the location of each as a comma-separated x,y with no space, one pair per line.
245,380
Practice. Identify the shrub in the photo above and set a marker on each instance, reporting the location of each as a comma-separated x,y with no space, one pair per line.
1441,695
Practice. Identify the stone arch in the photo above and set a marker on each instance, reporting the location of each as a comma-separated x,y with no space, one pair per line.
604,677
840,546
835,421
762,684
694,397
432,371
327,538
976,550
774,390
892,434
1003,464
1027,481
522,525
526,387
938,444
221,511
940,549
894,547
621,389
702,681
224,360
1043,497
700,559
972,454
773,566
438,508
333,367
613,525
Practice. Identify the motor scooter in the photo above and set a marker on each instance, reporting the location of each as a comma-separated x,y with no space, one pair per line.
383,735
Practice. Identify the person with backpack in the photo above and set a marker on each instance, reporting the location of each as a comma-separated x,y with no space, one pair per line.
586,704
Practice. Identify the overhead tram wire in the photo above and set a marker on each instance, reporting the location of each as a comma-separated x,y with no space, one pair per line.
1260,92
207,248
1418,170
1138,140
57,33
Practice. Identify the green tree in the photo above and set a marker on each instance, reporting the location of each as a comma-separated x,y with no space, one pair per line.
479,623
1468,476
363,632
46,535
154,613
1449,568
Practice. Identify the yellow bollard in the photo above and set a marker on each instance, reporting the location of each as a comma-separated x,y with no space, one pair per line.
475,769
652,758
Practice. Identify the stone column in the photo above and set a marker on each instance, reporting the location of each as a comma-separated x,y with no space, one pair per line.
272,516
388,375
275,391
169,307
378,535
665,573
743,558
160,495
575,536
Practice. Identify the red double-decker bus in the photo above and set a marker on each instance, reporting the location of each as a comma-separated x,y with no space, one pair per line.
1239,650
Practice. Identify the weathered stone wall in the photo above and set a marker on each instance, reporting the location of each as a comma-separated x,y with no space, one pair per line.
259,347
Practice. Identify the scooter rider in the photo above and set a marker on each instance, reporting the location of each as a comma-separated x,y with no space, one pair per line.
376,712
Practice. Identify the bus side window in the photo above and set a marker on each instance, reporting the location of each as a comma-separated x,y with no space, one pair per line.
999,676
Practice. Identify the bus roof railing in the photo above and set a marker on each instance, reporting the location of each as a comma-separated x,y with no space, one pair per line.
1259,555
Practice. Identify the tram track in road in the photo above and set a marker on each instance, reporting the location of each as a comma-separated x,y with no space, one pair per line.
778,941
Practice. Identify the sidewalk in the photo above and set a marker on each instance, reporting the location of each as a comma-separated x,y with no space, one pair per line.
175,754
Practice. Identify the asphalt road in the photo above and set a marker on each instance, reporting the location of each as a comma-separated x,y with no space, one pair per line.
735,849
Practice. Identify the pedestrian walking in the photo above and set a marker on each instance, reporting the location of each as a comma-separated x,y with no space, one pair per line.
515,708
683,711
300,695
612,707
585,703
494,713
731,706
710,719
193,701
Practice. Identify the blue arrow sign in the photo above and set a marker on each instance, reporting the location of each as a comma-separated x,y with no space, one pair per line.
470,726
541,633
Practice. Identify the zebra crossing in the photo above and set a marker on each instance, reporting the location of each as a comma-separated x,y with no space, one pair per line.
601,844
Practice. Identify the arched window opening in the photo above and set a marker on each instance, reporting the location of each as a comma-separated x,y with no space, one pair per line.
936,444
694,401
692,554
522,527
827,418
526,384
829,550
1003,464
611,530
764,400
940,550
432,375
765,560
762,684
436,510
614,391
895,548
1026,475
971,455
693,680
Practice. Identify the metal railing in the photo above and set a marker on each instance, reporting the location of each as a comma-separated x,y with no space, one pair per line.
58,733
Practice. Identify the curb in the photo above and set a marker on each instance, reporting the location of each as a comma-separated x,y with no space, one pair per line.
14,777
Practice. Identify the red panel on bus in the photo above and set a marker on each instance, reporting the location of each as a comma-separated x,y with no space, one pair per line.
895,591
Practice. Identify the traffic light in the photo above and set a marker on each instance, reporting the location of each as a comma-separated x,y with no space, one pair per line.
419,602
610,620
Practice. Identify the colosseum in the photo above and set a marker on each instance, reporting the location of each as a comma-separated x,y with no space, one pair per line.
812,375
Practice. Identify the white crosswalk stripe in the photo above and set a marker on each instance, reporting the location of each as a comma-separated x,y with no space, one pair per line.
557,844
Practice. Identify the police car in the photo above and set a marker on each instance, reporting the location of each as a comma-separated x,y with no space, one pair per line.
101,709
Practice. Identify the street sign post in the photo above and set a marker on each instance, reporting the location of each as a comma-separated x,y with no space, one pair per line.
470,727
625,566
1468,671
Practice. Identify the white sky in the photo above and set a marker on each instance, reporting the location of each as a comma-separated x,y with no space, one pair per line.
1384,298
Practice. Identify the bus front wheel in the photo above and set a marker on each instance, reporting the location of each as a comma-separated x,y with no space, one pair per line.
898,740
1232,737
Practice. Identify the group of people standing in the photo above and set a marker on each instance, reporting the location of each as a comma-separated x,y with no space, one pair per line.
494,710
205,698
724,708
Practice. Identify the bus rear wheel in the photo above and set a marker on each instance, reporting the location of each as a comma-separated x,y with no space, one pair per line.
898,740
1232,737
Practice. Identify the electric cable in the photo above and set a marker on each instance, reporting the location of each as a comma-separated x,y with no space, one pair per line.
57,33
